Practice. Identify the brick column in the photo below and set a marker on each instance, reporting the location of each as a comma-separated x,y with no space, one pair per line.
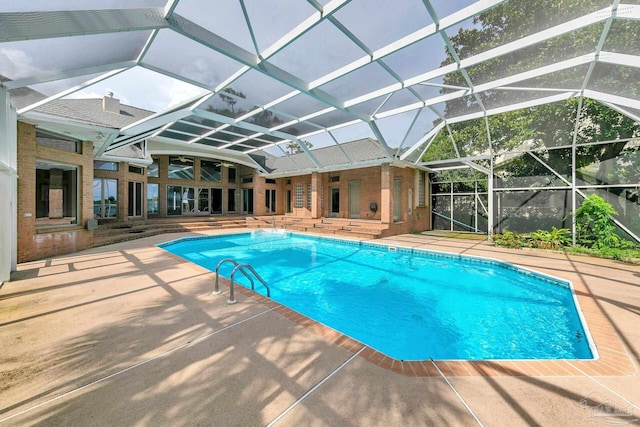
386,194
316,188
26,190
259,198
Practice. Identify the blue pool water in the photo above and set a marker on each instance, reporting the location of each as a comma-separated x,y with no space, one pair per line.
407,304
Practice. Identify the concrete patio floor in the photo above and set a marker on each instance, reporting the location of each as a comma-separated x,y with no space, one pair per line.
128,334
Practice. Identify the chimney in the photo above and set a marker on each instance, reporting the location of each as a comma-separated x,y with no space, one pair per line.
111,104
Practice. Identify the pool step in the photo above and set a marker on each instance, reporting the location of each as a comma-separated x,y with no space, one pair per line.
115,232
362,229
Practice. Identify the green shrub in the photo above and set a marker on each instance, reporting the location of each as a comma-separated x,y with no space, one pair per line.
611,253
627,255
559,238
594,225
509,239
626,244
554,239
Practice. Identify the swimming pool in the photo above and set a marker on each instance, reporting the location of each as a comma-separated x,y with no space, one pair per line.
408,304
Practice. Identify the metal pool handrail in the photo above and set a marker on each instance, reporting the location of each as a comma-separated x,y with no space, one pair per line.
216,288
238,267
241,268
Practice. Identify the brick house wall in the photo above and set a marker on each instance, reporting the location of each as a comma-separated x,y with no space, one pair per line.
304,181
370,191
376,186
412,217
35,243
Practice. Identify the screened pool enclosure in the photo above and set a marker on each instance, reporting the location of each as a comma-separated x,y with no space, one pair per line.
518,109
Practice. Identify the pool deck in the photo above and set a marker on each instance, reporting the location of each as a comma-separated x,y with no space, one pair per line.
128,334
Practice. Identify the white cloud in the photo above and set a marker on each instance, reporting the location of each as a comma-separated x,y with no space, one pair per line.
201,71
16,64
179,92
143,89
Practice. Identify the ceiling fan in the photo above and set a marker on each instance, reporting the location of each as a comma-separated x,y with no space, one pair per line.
183,159
225,164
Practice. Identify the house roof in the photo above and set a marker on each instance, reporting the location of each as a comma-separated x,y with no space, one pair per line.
92,112
87,110
362,150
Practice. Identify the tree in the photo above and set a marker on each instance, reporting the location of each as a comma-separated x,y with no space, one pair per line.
266,119
552,124
231,101
545,127
293,147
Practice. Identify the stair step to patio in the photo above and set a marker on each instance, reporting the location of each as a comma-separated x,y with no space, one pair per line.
108,233
363,229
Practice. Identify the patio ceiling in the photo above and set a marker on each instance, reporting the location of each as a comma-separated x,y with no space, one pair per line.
265,75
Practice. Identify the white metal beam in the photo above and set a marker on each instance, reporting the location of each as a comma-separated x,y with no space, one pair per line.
452,139
612,99
156,121
72,90
620,110
416,36
496,52
39,25
496,84
381,139
422,140
103,147
513,107
288,38
68,74
410,128
253,127
184,107
147,45
207,38
284,41
329,9
549,168
131,20
170,7
175,76
463,71
537,72
619,59
249,27
9,185
477,167
344,153
628,11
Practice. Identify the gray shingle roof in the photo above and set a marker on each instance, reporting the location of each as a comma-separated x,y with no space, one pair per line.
361,150
24,96
91,112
